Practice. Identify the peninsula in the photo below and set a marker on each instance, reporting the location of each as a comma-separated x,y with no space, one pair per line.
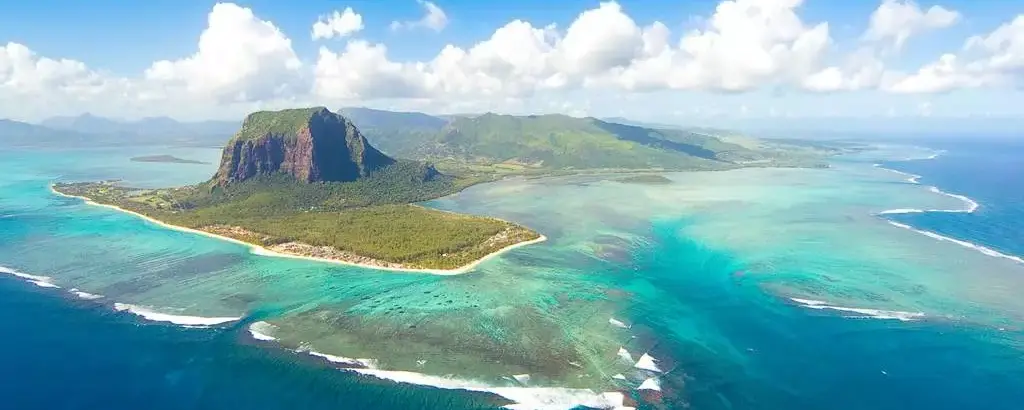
305,183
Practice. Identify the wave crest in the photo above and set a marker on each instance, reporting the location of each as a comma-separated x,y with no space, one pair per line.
192,321
867,313
41,281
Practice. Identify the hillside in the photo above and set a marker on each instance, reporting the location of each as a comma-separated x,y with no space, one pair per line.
556,142
305,182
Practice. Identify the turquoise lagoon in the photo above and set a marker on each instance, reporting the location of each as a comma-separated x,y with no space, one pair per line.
754,288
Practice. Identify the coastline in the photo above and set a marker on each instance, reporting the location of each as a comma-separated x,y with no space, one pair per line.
263,251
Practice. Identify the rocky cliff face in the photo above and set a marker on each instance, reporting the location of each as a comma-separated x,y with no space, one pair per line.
311,144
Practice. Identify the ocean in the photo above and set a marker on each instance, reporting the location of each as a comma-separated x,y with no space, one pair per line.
747,289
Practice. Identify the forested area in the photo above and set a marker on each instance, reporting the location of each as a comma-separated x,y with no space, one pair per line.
370,217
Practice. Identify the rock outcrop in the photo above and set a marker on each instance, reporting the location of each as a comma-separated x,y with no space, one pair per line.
308,144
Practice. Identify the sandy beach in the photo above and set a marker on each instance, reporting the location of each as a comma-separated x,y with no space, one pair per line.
262,251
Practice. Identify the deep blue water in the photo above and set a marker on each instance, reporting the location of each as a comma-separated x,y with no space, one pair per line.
989,171
61,353
58,353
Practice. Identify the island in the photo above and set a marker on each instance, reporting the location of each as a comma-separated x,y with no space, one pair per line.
166,158
305,183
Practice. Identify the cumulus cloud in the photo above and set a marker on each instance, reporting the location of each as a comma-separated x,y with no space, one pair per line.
994,59
338,24
433,19
24,72
239,58
744,44
243,62
896,21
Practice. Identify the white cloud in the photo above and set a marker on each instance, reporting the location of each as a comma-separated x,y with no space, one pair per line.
861,70
992,60
363,71
744,45
434,19
338,24
602,57
240,58
23,72
598,40
896,21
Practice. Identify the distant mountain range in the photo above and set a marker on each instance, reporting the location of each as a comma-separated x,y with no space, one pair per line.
550,141
532,142
147,127
95,130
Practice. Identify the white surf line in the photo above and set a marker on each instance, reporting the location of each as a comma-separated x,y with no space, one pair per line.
970,207
262,331
868,313
985,250
183,320
523,398
84,295
41,281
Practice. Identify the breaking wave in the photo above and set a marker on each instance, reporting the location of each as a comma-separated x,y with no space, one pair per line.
184,320
983,249
862,312
970,206
41,281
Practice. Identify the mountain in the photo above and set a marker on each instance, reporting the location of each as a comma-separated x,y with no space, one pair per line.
85,123
308,144
395,132
369,118
546,142
145,130
627,121
21,134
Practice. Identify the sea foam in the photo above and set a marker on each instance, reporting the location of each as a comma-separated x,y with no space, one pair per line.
970,205
262,331
41,281
867,313
985,250
152,315
84,295
532,398
553,398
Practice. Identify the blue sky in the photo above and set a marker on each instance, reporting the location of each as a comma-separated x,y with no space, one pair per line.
105,48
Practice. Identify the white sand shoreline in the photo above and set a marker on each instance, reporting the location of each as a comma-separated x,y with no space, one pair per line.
262,251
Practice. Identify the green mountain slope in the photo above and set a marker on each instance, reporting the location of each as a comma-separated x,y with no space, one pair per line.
547,142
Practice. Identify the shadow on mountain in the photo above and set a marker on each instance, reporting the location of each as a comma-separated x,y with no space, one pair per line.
646,137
